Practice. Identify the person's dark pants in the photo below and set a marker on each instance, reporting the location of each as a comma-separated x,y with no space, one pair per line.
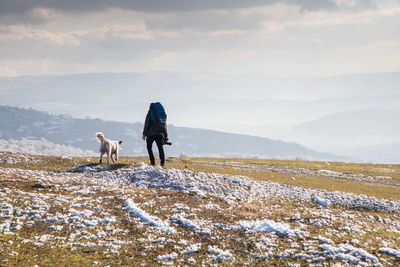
159,141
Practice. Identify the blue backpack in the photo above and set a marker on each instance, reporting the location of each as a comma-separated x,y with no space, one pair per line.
158,117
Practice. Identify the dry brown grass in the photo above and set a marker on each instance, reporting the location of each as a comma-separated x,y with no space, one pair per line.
308,181
160,203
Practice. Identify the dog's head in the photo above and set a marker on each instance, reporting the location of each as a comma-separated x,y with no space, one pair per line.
100,136
120,145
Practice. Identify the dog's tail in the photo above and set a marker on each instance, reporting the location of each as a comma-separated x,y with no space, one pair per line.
99,136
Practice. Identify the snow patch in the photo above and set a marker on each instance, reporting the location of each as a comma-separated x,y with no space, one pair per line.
135,211
40,147
321,201
390,252
281,229
221,255
348,250
191,249
167,257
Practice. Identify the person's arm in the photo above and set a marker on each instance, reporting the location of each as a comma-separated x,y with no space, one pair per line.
165,134
146,126
165,131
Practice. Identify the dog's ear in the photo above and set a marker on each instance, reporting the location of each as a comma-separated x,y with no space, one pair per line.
120,142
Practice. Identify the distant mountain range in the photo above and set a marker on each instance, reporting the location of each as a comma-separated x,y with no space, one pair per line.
355,125
387,152
365,134
344,115
255,99
29,124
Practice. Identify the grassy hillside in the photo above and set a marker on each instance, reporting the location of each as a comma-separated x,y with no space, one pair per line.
73,211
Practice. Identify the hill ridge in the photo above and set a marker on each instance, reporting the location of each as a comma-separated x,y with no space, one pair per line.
18,123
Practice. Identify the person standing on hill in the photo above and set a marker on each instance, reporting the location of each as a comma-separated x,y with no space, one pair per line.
155,129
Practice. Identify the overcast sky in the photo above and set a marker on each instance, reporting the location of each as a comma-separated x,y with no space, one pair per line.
288,37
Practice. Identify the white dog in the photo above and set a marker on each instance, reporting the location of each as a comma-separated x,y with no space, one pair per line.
107,146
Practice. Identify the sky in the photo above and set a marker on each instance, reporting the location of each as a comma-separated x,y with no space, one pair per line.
284,38
279,68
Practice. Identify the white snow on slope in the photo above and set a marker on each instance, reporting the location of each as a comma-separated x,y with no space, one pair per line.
359,177
40,147
221,255
324,240
281,229
347,249
84,213
321,201
135,211
192,249
390,252
166,257
243,188
197,226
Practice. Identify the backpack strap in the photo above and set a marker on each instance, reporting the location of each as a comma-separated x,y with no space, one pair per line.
156,114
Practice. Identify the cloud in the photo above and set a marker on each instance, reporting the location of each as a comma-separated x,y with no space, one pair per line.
170,14
260,36
20,33
211,20
168,6
117,31
266,19
108,32
7,71
34,16
43,15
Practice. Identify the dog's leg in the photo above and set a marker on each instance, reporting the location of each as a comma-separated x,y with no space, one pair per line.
109,156
112,157
116,155
101,156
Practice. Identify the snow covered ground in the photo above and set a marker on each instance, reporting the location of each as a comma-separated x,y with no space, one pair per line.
382,179
40,147
182,217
